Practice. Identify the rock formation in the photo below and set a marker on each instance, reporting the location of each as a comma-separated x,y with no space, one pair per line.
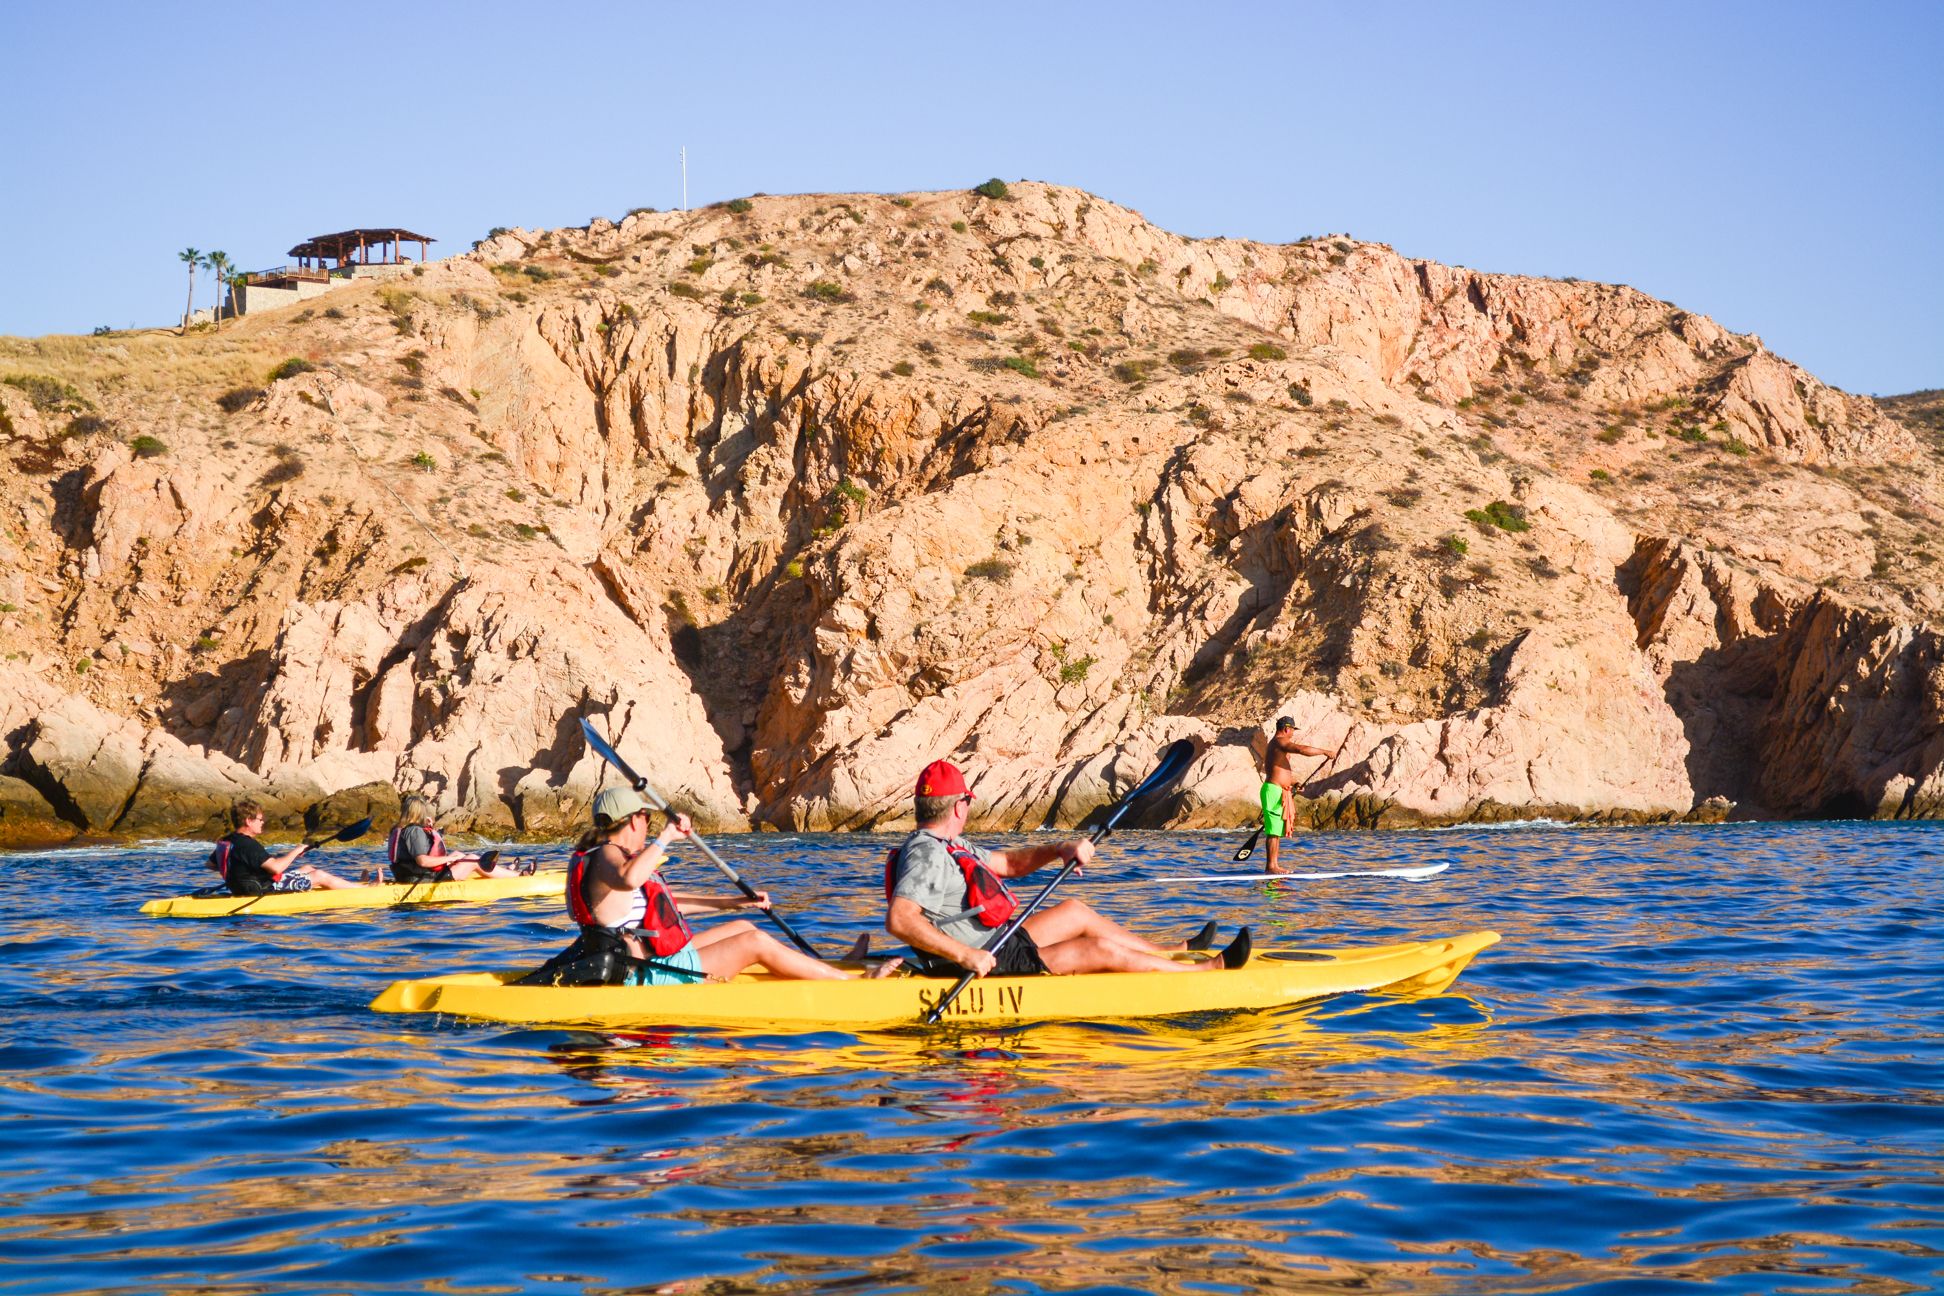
795,494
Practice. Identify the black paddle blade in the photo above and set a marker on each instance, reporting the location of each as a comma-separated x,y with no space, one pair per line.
1248,847
606,752
351,832
1172,763
489,859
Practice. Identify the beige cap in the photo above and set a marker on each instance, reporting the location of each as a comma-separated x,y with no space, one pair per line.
612,805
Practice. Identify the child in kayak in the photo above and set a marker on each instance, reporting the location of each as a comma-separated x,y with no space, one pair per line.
249,869
417,851
945,898
613,889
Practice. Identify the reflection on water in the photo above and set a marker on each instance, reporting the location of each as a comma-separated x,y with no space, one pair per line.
1700,1056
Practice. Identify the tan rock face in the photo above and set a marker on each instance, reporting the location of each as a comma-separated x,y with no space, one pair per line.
794,500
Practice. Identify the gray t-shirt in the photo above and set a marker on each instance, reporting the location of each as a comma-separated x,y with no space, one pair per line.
412,843
928,877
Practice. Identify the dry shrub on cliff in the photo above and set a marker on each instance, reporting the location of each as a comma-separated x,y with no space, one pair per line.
237,399
291,368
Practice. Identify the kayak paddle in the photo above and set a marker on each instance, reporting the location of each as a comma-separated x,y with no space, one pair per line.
1174,761
641,785
1248,847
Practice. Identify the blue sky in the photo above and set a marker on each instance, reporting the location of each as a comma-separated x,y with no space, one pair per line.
1777,166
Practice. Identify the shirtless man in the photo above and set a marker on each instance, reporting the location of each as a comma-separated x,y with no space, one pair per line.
1278,780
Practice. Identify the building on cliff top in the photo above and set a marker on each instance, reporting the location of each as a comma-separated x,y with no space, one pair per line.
324,262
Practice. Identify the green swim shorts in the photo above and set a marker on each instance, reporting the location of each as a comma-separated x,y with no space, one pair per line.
1272,810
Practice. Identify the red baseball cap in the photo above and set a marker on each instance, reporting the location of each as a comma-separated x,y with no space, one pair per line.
942,779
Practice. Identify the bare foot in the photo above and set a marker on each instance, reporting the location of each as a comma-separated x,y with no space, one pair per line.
885,968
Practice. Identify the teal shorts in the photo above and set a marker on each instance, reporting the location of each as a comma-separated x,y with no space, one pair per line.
1272,810
685,959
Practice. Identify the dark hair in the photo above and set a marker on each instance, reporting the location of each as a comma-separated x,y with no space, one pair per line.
243,811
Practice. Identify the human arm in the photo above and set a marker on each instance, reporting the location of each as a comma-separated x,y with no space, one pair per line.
1022,860
906,920
693,904
638,868
277,864
1290,744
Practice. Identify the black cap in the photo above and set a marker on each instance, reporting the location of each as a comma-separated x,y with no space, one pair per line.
1283,723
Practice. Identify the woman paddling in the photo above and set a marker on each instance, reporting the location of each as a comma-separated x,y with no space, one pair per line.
613,888
417,850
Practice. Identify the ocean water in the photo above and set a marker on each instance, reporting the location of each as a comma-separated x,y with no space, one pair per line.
1702,1058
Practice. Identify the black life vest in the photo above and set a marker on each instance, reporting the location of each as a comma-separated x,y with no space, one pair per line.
662,929
986,897
391,844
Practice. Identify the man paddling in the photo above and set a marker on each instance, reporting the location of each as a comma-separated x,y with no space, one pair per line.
946,898
1278,783
251,870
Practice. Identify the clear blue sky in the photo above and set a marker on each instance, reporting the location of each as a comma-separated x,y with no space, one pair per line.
1778,166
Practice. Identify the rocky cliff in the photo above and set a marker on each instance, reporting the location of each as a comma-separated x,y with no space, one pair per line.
794,494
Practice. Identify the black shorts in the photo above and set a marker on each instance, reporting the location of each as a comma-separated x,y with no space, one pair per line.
1019,956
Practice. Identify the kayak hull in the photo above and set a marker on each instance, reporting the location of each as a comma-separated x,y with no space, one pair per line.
392,895
757,1000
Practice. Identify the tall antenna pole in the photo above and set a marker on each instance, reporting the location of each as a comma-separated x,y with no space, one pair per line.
685,177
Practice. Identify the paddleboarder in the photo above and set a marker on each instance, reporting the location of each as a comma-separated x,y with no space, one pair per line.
947,898
1278,784
250,869
614,887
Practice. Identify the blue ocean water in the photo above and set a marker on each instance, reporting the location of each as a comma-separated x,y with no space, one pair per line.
1701,1058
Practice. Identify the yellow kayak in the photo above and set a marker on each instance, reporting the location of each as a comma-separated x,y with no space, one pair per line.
390,895
757,1000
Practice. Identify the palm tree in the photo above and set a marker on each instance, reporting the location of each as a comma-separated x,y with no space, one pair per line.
220,266
194,260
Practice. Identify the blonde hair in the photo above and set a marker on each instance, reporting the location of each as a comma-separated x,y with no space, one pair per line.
415,809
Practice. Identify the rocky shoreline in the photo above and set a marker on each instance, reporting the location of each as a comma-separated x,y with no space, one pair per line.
794,495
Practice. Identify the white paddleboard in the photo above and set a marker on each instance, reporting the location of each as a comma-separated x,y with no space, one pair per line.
1413,873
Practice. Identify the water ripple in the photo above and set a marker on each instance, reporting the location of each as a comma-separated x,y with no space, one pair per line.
1702,1056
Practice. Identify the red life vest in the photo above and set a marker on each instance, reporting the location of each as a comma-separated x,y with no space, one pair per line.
391,843
986,897
662,928
219,859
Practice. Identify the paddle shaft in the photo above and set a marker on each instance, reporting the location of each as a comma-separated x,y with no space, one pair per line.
640,784
1173,756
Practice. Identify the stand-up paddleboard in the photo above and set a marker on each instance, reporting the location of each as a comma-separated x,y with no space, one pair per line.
1415,873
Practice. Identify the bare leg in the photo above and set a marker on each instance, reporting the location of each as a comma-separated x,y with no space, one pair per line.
1071,918
323,879
716,932
731,951
1097,954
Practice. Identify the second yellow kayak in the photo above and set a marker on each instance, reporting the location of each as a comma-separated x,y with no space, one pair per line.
390,895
